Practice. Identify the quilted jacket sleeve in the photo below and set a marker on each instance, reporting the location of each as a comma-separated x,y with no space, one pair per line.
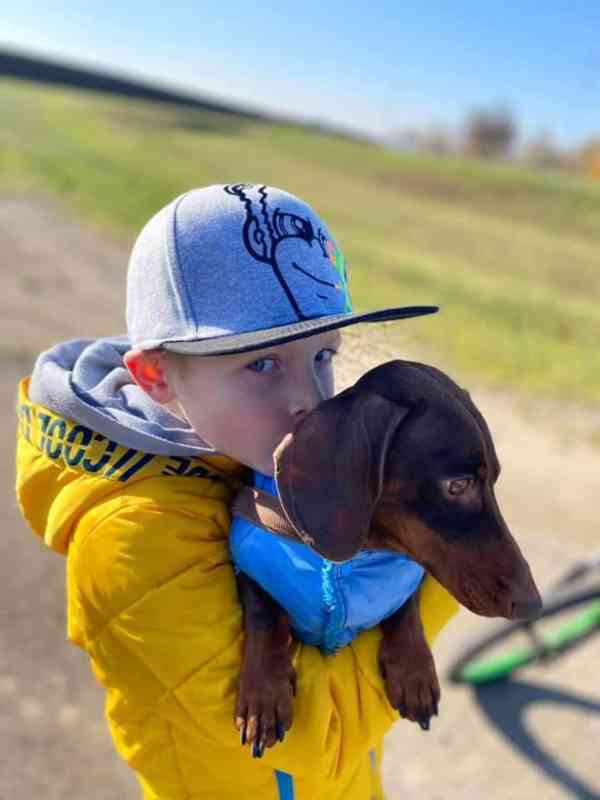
153,600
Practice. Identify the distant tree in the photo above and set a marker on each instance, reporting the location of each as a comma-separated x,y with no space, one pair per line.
490,133
541,152
588,158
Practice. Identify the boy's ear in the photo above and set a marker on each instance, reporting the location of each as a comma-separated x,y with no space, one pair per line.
147,368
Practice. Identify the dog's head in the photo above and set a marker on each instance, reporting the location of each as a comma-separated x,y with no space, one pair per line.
403,460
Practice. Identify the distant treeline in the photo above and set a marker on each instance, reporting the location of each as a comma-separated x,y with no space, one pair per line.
37,69
29,67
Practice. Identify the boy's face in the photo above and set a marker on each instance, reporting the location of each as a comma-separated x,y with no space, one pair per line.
243,404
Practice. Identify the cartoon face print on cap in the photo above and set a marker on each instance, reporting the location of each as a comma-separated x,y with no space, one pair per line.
305,261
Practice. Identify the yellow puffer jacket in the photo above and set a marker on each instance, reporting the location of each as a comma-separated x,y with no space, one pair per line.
152,599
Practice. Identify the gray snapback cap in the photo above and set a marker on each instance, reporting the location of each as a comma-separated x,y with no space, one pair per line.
237,267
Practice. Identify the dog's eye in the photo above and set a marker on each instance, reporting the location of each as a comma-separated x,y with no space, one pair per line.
457,486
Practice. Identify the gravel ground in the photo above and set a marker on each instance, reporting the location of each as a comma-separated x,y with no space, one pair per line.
535,737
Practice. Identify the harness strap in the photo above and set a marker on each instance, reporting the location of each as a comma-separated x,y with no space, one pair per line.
263,509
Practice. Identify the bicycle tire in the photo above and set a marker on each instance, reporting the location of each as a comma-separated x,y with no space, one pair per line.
472,668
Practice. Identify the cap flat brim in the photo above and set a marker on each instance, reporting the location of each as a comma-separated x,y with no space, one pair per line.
256,340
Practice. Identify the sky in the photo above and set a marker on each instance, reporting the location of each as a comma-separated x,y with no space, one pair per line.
374,68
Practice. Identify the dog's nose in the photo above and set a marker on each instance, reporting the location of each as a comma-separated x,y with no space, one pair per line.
528,610
522,595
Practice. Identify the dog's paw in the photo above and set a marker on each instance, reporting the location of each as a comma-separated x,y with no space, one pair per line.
411,683
264,705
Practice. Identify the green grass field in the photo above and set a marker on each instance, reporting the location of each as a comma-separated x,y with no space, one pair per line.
510,256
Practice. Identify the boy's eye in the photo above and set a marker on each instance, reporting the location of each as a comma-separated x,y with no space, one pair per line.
259,362
255,366
331,352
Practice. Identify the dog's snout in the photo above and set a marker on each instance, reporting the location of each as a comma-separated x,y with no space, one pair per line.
528,610
524,599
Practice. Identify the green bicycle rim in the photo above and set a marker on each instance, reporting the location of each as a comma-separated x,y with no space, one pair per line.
486,670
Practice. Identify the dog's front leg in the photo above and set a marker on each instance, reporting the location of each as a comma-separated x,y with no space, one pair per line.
268,679
407,665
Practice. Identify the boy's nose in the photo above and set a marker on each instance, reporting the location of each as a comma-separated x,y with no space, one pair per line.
304,402
305,394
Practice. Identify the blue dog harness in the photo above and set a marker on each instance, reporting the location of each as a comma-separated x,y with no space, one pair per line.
328,603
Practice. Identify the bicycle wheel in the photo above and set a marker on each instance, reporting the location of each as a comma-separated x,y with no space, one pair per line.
566,620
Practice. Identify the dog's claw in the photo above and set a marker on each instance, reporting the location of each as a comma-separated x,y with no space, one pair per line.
258,748
264,709
424,723
280,731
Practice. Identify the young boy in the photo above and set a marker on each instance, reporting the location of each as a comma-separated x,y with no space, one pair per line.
129,453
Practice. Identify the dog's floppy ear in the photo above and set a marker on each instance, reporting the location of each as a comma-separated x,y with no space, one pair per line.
463,396
330,470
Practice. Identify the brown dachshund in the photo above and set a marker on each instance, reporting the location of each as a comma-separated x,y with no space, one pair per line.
410,466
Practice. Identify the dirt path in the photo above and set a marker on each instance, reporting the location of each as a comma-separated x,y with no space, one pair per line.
59,280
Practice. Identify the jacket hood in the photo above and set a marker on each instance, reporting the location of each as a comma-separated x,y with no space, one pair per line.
87,381
86,432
